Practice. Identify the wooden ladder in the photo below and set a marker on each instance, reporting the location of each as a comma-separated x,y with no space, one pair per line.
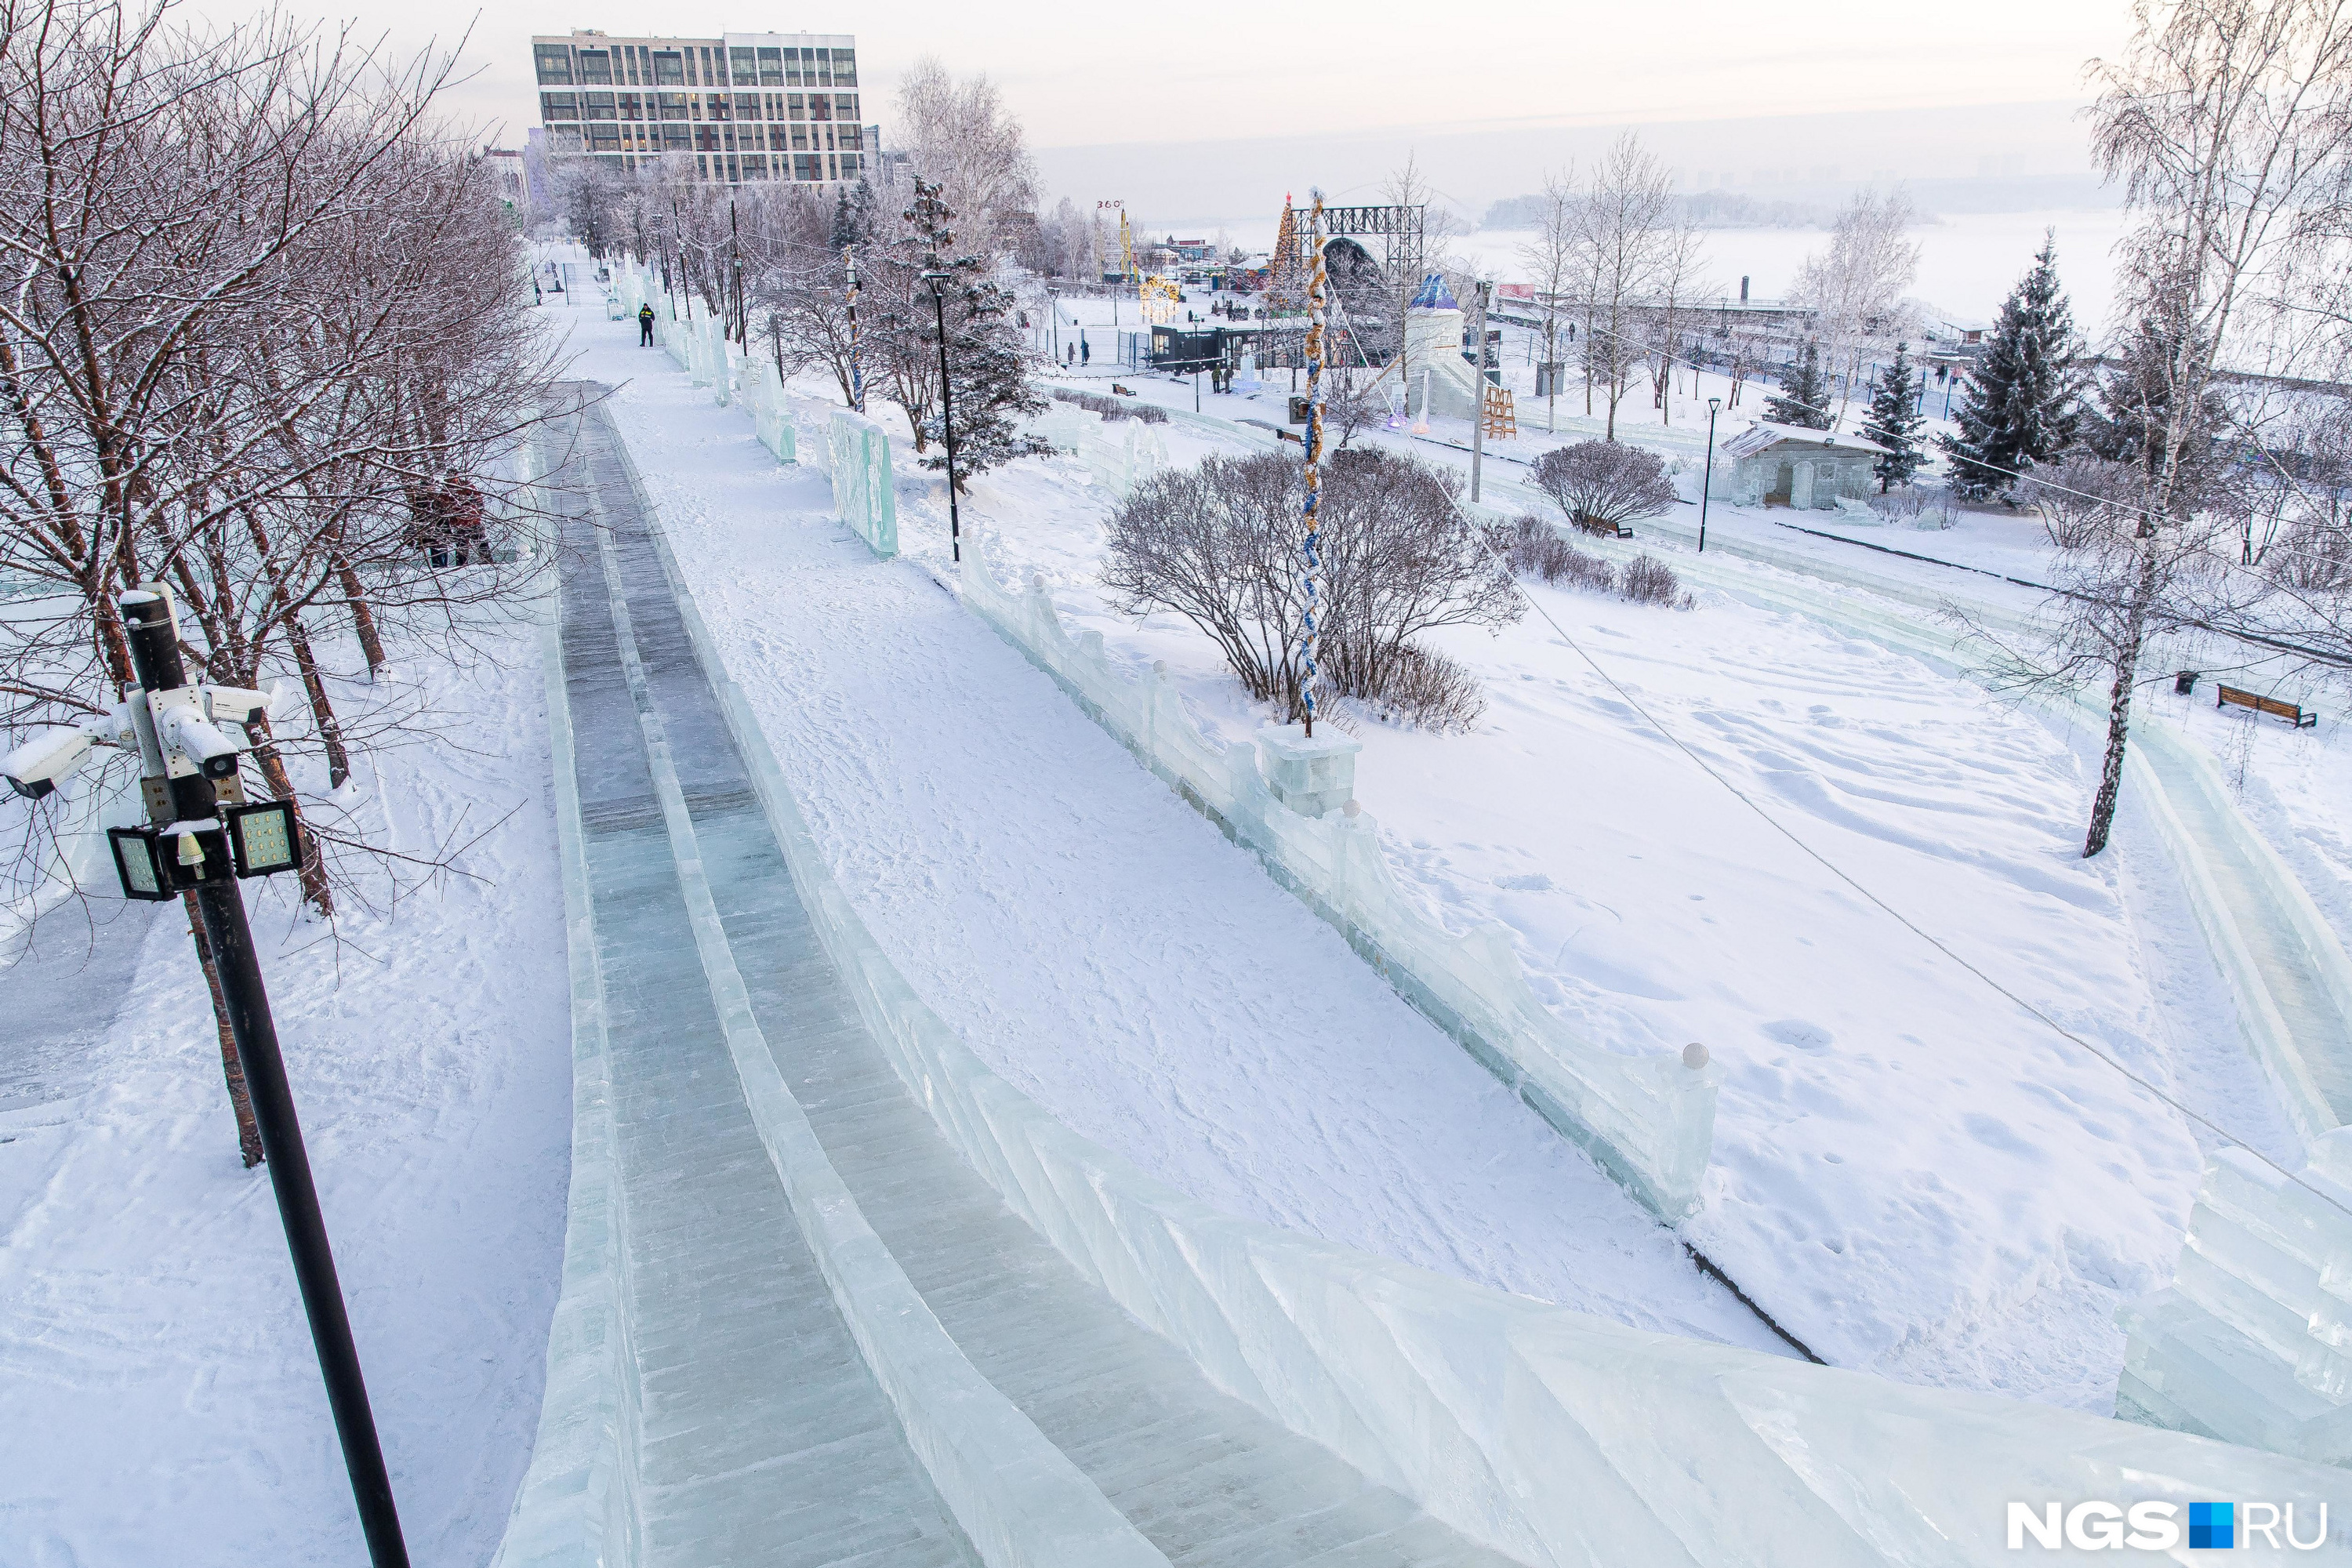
1502,416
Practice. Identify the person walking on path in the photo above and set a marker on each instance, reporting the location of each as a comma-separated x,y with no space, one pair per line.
1085,350
644,326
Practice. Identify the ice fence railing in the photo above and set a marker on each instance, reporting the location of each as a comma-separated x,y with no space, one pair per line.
1648,1121
862,496
2252,1341
1559,1437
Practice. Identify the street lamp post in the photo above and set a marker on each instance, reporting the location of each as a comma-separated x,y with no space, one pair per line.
192,846
1707,485
937,279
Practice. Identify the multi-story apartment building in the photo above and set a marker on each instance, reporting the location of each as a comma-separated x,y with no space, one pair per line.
746,106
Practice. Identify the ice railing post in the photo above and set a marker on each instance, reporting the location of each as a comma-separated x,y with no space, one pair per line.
863,494
1648,1120
2252,1341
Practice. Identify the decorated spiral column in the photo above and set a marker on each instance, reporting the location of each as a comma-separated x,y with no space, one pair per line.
856,364
1311,564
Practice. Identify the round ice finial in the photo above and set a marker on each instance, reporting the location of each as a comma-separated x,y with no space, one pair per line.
1037,581
1693,1056
1352,810
1160,668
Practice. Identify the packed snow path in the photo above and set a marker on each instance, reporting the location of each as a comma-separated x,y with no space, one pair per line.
765,1437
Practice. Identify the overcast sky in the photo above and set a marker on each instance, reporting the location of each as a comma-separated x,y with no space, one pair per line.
1081,75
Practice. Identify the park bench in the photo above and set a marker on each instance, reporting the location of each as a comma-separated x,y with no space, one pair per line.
2230,695
1605,529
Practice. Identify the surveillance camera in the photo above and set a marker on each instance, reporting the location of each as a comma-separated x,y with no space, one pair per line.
35,768
189,733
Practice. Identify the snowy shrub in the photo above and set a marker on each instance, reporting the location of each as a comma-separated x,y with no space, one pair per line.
1912,507
1650,581
1602,486
1533,549
1430,690
1111,408
1219,544
2085,500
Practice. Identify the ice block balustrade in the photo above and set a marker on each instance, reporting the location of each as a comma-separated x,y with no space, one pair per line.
862,492
761,388
2252,1341
1648,1121
1554,1437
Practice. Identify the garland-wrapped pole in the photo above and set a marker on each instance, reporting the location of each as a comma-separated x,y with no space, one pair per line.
857,369
1311,564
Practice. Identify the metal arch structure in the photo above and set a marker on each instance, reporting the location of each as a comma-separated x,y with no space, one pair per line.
1402,232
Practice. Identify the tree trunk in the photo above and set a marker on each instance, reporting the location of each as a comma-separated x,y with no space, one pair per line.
2119,695
322,712
248,1134
362,618
267,756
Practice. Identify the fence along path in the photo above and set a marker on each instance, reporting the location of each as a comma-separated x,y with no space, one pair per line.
780,1415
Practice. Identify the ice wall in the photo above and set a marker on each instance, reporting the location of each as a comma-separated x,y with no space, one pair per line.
2252,1341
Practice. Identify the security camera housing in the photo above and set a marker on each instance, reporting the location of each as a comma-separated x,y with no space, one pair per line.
35,768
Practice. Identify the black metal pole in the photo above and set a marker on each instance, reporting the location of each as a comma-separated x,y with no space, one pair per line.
155,656
947,417
1707,485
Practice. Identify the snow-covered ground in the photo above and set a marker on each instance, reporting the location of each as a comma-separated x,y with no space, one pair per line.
163,1401
1914,1176
1087,933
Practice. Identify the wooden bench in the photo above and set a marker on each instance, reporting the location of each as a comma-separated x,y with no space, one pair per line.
2230,695
1605,530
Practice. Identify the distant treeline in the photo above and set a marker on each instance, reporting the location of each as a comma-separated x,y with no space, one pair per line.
1708,209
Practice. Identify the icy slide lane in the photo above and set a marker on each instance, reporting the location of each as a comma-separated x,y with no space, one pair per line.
1093,939
828,1341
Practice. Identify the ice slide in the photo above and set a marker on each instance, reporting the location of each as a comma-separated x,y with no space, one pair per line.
834,1292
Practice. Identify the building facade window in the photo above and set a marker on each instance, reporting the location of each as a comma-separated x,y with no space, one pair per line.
706,107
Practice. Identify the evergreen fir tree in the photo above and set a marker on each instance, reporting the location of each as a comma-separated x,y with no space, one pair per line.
2018,406
987,368
2129,419
852,216
1894,423
1804,396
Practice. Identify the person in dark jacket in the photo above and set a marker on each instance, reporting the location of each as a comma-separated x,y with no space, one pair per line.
644,326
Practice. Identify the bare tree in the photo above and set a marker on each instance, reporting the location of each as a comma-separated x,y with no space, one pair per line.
1551,260
1856,287
1628,202
2229,124
960,136
260,344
